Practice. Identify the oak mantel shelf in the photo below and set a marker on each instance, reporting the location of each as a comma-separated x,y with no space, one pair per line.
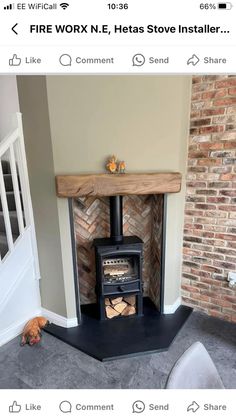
72,186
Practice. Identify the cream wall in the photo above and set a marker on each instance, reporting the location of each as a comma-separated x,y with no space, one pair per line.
143,120
34,108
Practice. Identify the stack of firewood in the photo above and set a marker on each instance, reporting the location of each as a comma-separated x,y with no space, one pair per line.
120,306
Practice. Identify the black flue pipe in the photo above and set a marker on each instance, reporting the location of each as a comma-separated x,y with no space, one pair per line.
116,218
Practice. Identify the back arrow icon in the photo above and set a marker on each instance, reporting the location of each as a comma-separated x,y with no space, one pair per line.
13,29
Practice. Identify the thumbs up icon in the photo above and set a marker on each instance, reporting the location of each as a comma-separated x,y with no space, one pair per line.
15,61
15,408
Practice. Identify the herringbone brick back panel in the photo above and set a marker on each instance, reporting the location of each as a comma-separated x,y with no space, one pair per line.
142,217
156,247
91,218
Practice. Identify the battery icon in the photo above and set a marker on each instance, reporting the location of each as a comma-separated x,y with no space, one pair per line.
226,6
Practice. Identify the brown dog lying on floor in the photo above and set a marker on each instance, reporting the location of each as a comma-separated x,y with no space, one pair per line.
32,330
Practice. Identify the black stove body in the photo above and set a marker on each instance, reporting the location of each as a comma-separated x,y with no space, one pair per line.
118,264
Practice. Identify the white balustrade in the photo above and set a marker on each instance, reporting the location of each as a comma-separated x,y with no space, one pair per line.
12,149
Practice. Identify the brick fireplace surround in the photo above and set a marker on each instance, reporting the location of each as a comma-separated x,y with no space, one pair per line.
209,250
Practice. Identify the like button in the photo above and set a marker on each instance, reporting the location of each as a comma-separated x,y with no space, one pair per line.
15,61
15,408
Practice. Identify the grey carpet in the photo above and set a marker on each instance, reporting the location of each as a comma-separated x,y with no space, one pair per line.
54,364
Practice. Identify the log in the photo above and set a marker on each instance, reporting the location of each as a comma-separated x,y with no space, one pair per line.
116,270
107,302
110,312
120,307
115,301
128,311
130,300
72,186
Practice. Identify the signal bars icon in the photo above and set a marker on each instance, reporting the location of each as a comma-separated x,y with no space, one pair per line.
9,7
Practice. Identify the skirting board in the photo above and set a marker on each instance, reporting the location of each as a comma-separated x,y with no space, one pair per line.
170,309
59,320
15,330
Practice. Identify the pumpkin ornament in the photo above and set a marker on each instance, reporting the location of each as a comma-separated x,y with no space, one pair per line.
112,164
121,167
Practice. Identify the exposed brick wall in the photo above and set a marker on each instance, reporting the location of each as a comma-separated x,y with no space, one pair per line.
209,250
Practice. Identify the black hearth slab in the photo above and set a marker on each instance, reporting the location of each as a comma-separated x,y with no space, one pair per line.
123,337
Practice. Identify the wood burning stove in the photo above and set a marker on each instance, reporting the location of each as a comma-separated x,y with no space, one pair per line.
118,269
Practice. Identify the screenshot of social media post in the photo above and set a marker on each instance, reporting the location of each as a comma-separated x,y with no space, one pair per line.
117,209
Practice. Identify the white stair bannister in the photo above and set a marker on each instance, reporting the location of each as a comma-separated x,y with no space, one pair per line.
5,210
25,190
14,145
16,190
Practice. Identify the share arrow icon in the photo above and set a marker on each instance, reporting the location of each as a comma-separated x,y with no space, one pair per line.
193,407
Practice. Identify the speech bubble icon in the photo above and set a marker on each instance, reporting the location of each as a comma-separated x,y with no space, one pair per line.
138,60
65,59
65,406
138,406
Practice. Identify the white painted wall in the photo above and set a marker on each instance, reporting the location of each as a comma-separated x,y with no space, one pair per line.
20,298
9,103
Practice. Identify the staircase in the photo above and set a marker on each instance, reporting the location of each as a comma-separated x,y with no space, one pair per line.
19,269
12,210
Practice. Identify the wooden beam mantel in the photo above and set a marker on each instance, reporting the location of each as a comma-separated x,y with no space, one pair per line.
72,186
